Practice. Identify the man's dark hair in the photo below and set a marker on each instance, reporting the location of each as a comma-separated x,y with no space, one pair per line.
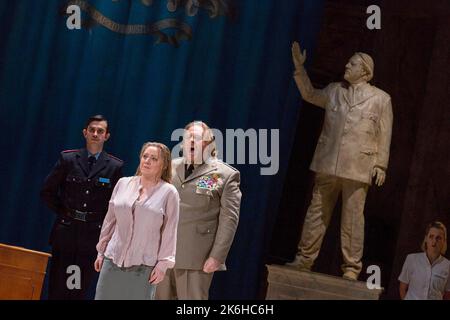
97,117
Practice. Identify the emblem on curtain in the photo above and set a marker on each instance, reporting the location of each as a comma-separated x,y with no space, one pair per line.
171,30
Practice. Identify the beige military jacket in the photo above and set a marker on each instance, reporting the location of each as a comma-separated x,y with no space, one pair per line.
210,200
356,132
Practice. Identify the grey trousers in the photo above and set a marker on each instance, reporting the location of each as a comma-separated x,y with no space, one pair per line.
116,283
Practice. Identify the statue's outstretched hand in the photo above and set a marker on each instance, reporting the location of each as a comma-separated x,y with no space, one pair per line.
380,176
297,56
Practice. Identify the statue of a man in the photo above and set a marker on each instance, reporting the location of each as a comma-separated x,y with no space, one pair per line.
353,149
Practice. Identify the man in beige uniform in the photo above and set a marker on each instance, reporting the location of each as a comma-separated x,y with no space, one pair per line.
352,149
209,214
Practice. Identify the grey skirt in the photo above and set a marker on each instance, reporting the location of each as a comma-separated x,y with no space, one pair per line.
116,283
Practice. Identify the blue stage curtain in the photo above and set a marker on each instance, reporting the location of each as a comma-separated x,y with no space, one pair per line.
235,72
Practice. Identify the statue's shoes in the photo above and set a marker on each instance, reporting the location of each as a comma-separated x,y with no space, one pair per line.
297,264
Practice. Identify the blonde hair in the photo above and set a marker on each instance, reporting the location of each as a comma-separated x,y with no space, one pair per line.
164,152
437,225
207,136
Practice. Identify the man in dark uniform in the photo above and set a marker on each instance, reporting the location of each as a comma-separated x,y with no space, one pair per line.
78,189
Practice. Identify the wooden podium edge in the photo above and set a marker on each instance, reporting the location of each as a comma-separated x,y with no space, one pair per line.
8,247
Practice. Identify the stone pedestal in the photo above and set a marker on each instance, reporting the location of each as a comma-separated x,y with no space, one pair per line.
288,283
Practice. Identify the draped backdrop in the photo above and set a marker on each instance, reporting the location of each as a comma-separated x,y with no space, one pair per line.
149,70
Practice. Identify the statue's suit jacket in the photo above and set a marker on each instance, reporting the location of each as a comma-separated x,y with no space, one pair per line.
356,132
208,215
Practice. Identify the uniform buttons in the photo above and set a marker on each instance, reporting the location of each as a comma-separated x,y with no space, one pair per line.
89,180
182,186
208,231
84,205
73,179
87,191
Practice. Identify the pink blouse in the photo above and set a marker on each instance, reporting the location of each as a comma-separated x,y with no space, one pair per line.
142,231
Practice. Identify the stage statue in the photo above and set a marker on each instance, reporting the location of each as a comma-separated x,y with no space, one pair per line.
353,149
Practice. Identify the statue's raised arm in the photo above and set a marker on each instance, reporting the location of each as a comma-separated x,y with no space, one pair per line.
308,92
298,57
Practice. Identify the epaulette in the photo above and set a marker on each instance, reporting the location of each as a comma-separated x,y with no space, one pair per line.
115,158
73,150
223,162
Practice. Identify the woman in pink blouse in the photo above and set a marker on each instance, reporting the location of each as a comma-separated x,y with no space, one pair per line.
138,239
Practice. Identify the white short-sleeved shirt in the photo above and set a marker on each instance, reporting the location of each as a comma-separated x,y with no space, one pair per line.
425,281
